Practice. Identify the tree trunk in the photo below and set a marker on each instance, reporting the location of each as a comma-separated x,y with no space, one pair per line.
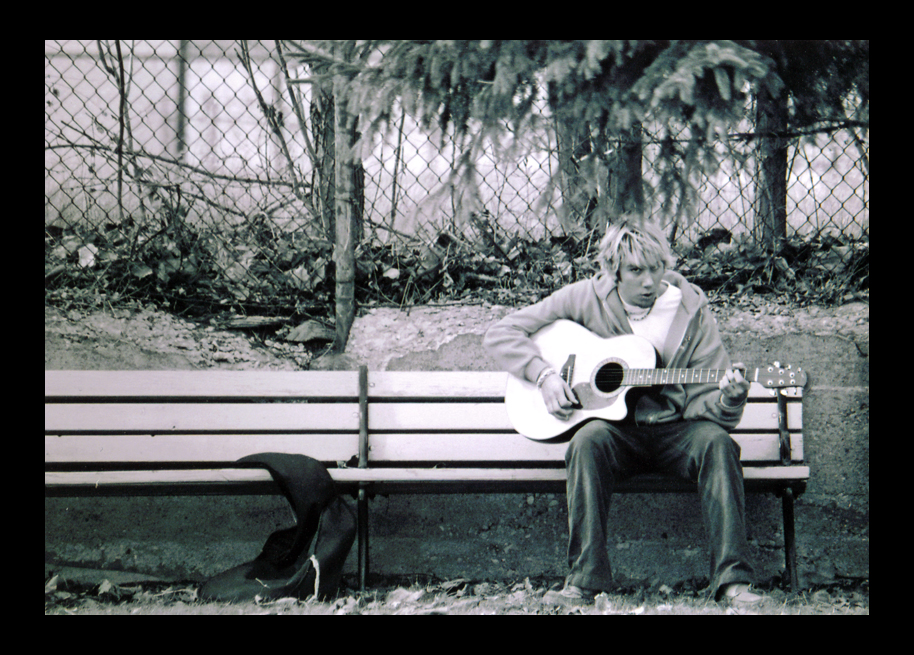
771,181
588,203
577,200
625,191
322,121
181,127
346,218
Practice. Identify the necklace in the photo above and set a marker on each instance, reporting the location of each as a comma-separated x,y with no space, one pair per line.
635,313
637,316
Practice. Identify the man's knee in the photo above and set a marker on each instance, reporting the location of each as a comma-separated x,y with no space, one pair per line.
594,440
711,438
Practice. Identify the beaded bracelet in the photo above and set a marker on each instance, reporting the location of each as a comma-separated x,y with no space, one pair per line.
541,378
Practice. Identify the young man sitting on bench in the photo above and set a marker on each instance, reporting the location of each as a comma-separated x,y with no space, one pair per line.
681,429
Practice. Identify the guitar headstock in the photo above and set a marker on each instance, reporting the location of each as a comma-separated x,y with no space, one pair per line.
775,376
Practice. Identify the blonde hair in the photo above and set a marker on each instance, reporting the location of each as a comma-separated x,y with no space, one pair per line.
634,241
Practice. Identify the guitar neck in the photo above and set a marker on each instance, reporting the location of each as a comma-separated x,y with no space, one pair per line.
645,377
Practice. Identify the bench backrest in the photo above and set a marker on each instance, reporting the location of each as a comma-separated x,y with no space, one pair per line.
461,417
209,419
204,418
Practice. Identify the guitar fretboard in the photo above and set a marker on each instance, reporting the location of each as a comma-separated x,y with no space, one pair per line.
657,376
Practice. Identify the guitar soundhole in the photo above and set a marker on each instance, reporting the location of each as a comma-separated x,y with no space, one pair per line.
609,377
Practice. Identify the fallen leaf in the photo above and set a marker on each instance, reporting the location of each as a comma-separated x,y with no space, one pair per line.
87,255
452,586
242,322
401,595
349,606
140,270
308,276
602,604
821,596
288,600
310,331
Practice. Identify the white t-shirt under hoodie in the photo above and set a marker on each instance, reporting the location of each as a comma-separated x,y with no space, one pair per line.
656,325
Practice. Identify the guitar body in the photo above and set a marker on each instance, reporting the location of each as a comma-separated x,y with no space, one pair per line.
596,378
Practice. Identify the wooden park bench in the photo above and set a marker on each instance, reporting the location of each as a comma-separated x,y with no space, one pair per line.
179,432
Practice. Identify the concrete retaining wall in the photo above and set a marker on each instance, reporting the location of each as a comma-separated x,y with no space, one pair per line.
655,538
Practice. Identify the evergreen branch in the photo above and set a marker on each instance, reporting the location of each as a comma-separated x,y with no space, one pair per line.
311,54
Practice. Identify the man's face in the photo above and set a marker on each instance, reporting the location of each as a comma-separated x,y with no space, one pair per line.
639,283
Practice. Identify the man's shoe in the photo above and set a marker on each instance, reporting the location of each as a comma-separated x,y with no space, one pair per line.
571,596
738,594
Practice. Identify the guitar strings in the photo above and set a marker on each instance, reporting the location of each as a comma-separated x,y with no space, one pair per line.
615,374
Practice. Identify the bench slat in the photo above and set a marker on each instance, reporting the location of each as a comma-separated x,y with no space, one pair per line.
355,475
385,448
195,447
776,473
118,385
208,417
764,416
436,384
476,447
462,447
536,475
493,416
261,417
437,416
471,384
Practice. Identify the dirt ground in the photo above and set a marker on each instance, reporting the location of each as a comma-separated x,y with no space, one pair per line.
460,596
146,338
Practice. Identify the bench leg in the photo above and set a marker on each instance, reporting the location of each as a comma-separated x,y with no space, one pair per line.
790,541
362,516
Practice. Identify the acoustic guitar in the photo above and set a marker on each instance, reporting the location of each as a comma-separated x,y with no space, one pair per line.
601,372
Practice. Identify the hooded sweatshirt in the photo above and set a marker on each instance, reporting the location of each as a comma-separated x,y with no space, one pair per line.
693,341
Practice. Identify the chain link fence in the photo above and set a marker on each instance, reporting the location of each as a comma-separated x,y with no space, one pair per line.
191,173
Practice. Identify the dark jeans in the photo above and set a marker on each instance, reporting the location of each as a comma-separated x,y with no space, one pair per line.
600,453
